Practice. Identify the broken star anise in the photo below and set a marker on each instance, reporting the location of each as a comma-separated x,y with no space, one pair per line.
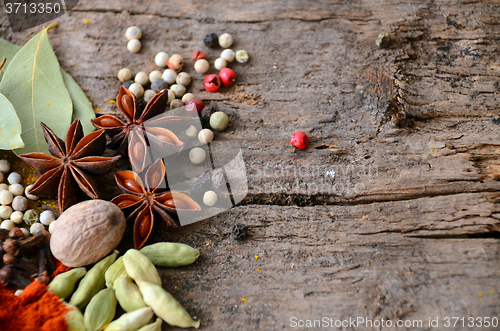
147,203
70,165
142,131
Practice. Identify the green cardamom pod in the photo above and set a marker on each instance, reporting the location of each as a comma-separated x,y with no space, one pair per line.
116,270
156,326
165,306
139,268
167,254
128,294
100,310
93,282
74,318
63,284
131,321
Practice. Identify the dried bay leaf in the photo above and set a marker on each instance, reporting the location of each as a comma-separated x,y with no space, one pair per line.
10,126
82,108
8,50
34,85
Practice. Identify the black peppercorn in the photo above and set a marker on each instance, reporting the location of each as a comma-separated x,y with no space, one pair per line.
141,103
206,113
159,85
239,231
211,40
128,83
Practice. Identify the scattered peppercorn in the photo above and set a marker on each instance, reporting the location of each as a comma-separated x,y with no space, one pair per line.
242,56
134,46
128,83
206,113
227,76
201,66
154,75
383,40
133,32
225,40
199,55
299,140
210,198
183,78
137,89
219,121
191,132
187,97
178,90
142,78
239,231
148,95
159,85
195,106
211,40
176,104
161,59
124,74
197,155
228,55
220,63
169,76
205,136
212,83
176,62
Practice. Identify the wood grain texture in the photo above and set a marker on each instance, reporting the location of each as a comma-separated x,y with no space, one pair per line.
408,225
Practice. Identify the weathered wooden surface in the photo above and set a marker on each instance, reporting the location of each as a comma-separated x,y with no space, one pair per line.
408,226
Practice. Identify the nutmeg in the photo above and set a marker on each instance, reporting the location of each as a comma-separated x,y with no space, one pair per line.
87,232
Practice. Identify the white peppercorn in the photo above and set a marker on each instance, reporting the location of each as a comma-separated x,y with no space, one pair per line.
36,228
178,90
47,217
4,166
169,76
5,212
176,62
191,132
7,225
142,78
16,189
133,32
228,55
28,195
242,56
201,66
205,136
14,178
225,40
26,232
183,78
176,103
52,226
17,217
171,97
4,186
134,46
148,95
210,198
161,59
154,75
197,155
20,203
137,89
6,197
187,97
220,64
159,85
124,74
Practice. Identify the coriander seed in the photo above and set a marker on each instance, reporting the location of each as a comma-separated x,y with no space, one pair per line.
124,74
20,203
211,40
5,212
228,55
47,217
154,75
197,155
210,198
16,189
176,104
225,40
4,166
142,78
219,121
178,89
6,197
133,32
137,90
205,136
17,217
201,66
159,85
220,63
28,195
183,78
148,95
176,62
187,97
37,228
161,59
169,76
242,56
14,178
7,225
191,132
134,46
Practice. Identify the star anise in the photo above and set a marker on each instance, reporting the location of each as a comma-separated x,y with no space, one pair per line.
146,203
143,128
70,165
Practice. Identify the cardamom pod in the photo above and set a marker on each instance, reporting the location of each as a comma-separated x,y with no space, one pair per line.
100,310
74,318
139,268
93,282
63,284
116,270
165,306
167,254
128,294
156,326
131,321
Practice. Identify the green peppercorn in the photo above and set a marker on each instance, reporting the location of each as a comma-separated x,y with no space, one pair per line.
219,121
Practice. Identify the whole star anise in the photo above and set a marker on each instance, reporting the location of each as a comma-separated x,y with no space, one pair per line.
146,203
71,165
141,129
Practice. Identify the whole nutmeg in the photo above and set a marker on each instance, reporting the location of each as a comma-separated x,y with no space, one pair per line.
176,62
87,232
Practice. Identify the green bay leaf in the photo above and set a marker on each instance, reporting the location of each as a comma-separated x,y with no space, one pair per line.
8,50
10,127
34,85
82,108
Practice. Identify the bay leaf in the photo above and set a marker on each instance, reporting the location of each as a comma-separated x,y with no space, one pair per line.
82,108
8,50
10,126
34,85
